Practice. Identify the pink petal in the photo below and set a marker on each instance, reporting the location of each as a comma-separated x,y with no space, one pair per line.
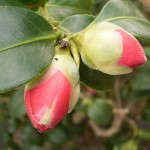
52,94
133,53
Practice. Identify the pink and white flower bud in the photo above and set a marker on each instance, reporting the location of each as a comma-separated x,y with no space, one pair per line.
110,49
53,94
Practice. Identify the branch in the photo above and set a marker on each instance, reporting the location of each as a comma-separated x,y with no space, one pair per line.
115,127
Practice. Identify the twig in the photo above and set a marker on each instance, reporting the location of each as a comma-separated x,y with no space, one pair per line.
117,93
115,127
45,12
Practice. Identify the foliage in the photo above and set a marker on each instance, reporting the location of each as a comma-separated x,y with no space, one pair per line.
115,117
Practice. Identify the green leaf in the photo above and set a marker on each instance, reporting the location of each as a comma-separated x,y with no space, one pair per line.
33,4
16,105
11,3
77,23
93,78
100,111
99,4
147,51
64,8
96,79
137,27
142,79
26,46
118,8
29,4
125,14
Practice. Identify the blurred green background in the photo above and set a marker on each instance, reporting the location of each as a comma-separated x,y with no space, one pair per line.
112,120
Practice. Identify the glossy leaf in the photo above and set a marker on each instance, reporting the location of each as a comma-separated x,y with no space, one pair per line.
99,4
64,8
137,27
77,23
118,8
26,46
126,15
96,79
29,4
11,3
33,4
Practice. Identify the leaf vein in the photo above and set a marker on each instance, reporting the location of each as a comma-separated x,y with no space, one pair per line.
50,37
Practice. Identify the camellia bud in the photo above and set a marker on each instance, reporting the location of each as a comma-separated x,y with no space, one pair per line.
54,93
110,49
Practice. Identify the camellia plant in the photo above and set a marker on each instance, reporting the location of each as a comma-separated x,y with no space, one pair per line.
51,52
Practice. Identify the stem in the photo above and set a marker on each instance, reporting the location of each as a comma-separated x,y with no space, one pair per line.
133,125
117,93
45,12
115,127
64,30
53,22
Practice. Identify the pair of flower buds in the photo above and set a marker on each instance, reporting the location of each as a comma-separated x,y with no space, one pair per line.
103,46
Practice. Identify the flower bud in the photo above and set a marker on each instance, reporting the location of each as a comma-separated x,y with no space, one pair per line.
110,49
54,93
